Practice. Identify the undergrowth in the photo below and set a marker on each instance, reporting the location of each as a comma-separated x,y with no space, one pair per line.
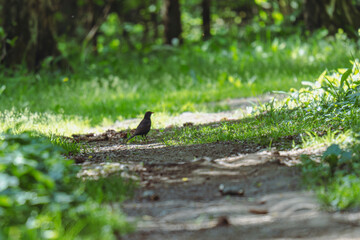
324,108
41,197
167,80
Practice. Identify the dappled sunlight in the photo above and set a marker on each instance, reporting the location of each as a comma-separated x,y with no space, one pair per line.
105,169
197,215
214,172
44,123
121,145
288,210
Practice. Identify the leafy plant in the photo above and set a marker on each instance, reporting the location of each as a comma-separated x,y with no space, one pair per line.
337,158
334,101
40,197
343,193
336,176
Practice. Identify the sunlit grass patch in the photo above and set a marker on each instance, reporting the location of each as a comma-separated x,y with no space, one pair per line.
43,123
262,129
330,136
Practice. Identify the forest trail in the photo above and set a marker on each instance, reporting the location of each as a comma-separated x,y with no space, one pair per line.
224,190
180,199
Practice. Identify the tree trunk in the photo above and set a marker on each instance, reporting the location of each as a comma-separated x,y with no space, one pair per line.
332,14
154,16
206,19
172,22
155,25
17,32
31,25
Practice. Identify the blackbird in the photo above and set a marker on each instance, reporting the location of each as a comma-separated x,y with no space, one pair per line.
144,126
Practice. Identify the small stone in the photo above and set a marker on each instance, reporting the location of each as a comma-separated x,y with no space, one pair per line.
258,211
231,190
150,195
222,221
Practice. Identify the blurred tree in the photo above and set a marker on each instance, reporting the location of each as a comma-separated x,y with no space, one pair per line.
172,21
154,18
81,20
332,14
206,19
29,25
30,30
99,11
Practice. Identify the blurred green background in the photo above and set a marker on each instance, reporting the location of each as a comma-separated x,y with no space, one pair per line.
67,66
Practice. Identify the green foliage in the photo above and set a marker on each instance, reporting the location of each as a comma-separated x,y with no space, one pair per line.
314,173
40,197
328,104
335,98
343,193
167,80
336,177
336,157
334,89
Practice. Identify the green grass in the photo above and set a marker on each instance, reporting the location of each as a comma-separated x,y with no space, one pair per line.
169,81
326,108
282,127
69,147
111,188
263,130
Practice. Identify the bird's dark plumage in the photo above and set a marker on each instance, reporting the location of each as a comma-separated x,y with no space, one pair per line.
144,126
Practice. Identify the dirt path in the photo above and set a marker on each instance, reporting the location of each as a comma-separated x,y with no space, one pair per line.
224,190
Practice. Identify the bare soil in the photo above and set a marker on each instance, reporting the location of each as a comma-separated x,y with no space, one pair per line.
224,190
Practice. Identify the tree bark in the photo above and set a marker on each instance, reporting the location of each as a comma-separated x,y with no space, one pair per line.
332,14
206,19
172,21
